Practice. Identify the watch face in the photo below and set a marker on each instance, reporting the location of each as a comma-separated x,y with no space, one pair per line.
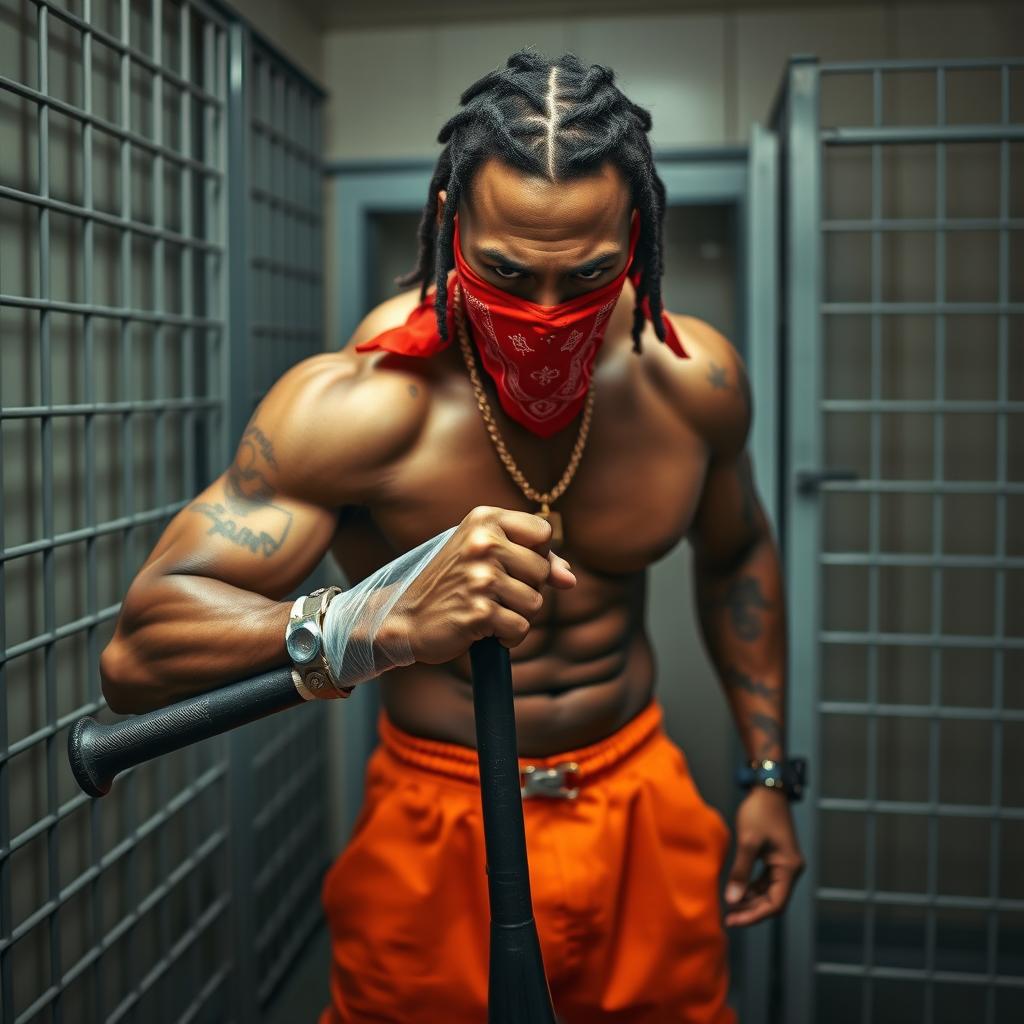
303,644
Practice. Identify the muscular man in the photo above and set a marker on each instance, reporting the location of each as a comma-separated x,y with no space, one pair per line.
544,201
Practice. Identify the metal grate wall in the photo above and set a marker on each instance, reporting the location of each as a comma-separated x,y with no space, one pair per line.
286,851
904,306
125,285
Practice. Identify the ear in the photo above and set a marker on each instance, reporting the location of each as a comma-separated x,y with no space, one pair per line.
442,197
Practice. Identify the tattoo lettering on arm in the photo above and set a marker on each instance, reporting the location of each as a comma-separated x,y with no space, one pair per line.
261,542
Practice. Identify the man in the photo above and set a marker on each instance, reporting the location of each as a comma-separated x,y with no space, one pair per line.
506,395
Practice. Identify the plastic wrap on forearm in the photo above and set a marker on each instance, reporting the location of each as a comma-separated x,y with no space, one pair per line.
352,624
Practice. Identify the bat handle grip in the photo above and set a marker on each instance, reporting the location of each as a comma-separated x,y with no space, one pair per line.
98,752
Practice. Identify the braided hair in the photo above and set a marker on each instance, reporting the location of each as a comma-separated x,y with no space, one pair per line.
555,119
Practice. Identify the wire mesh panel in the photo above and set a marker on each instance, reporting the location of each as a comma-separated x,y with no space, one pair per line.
905,326
283,759
111,339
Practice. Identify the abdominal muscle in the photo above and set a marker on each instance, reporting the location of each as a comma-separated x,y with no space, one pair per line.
575,681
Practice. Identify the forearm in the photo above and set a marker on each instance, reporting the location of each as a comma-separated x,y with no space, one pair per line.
742,617
178,635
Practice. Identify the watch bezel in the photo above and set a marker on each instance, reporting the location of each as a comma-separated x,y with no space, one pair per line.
310,627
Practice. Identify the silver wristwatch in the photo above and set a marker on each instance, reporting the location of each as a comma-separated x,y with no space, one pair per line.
304,642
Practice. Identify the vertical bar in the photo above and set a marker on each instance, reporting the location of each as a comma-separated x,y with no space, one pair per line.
92,585
1002,461
240,383
762,344
189,484
803,529
49,575
938,435
158,452
129,791
239,408
874,501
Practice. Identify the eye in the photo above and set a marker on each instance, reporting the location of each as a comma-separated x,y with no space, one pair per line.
591,275
508,273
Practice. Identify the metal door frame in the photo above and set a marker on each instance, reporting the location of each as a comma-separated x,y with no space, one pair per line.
803,140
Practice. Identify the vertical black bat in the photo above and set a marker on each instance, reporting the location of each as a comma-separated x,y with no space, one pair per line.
518,991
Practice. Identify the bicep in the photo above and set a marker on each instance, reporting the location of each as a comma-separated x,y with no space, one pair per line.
267,520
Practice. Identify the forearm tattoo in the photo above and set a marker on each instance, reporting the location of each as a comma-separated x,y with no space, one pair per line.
734,679
745,601
770,738
247,490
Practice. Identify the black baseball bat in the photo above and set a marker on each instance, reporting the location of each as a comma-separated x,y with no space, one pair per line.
97,752
518,991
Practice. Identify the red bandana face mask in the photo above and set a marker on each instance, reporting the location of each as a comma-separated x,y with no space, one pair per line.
540,357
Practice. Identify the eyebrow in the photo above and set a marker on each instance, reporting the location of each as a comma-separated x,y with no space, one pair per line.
496,256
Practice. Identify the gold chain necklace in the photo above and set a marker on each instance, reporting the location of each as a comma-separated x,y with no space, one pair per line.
546,498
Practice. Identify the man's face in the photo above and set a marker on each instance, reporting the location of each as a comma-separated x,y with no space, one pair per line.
546,242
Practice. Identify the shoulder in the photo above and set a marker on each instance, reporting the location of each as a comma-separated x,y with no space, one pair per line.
710,389
390,313
339,418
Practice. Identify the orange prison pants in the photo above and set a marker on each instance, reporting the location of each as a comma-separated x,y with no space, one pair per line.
624,878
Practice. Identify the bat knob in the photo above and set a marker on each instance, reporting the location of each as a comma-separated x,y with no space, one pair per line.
81,754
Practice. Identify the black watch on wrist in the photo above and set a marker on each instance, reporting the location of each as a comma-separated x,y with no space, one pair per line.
790,775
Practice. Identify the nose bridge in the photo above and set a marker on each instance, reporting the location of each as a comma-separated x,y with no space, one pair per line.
549,293
549,286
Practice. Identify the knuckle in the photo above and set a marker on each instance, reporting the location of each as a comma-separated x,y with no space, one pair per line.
480,577
481,542
480,514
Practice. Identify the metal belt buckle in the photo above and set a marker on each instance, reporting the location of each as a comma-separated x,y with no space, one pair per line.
550,782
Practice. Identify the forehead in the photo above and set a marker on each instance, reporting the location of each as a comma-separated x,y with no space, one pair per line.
504,200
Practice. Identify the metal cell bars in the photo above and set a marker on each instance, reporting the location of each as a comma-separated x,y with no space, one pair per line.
286,757
285,218
111,336
903,223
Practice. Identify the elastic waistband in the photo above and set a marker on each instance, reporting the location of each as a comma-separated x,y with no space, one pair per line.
459,762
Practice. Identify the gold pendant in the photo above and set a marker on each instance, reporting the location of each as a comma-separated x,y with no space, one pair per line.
555,519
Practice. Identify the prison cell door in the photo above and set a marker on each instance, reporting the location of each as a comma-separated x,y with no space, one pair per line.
904,502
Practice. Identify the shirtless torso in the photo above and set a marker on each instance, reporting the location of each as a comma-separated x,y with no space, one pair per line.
367,454
586,666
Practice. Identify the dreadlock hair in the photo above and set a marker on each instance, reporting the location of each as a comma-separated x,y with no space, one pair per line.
555,119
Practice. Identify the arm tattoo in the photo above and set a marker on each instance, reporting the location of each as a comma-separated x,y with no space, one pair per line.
262,541
246,484
717,377
771,740
743,600
247,489
719,380
734,679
